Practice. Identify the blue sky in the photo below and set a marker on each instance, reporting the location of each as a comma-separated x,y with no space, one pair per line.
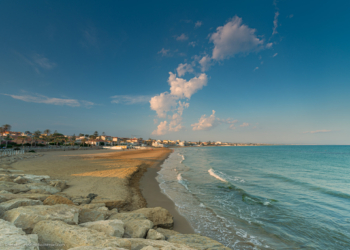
238,71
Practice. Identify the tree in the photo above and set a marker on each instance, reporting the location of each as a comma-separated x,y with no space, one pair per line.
103,133
37,135
6,127
7,138
27,132
81,134
73,139
96,134
1,134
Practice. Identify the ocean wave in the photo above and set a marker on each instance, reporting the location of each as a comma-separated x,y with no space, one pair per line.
182,156
182,181
213,173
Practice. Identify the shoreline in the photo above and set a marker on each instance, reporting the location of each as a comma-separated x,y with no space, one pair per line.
154,197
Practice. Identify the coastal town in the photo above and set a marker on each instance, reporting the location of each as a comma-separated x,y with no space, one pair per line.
47,138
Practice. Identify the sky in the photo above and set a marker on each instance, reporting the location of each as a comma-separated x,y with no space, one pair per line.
231,71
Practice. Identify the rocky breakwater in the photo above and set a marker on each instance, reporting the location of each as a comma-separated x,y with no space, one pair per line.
35,214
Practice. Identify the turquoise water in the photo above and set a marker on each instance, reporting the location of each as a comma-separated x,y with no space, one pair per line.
271,197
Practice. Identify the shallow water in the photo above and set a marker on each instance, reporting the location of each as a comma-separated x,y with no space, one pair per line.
273,197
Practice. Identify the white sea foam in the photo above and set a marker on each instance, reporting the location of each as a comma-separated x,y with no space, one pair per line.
183,157
201,205
212,173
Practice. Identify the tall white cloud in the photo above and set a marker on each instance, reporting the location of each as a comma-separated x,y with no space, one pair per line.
163,103
181,88
161,129
233,38
205,63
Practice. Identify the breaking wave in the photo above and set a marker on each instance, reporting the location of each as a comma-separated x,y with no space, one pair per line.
212,173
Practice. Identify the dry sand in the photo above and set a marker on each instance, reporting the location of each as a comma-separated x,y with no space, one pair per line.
109,174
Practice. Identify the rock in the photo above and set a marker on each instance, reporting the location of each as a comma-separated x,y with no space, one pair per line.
109,227
136,225
11,196
158,215
70,236
81,200
6,178
197,241
92,206
38,191
167,232
42,186
12,237
137,244
56,199
137,228
20,180
35,178
13,187
88,215
27,217
11,204
126,217
154,235
110,203
5,192
93,248
59,184
92,196
149,248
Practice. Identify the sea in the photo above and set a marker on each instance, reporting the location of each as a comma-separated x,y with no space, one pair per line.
263,197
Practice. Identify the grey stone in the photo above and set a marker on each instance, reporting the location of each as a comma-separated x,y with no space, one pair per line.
11,204
27,217
13,238
109,227
70,236
154,235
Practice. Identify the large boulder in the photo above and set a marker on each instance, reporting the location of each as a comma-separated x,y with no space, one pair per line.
167,232
136,225
11,204
88,215
109,227
197,241
20,180
154,235
13,238
158,215
11,196
137,244
63,236
27,217
13,187
56,199
110,203
43,187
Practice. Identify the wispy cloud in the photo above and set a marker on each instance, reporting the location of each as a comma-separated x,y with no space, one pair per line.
182,37
275,54
37,61
130,99
37,98
317,131
198,24
275,23
256,68
244,124
164,52
89,36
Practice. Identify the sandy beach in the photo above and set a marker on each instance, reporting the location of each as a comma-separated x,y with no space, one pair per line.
127,177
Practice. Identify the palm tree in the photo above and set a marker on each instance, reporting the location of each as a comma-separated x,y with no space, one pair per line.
1,136
47,132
